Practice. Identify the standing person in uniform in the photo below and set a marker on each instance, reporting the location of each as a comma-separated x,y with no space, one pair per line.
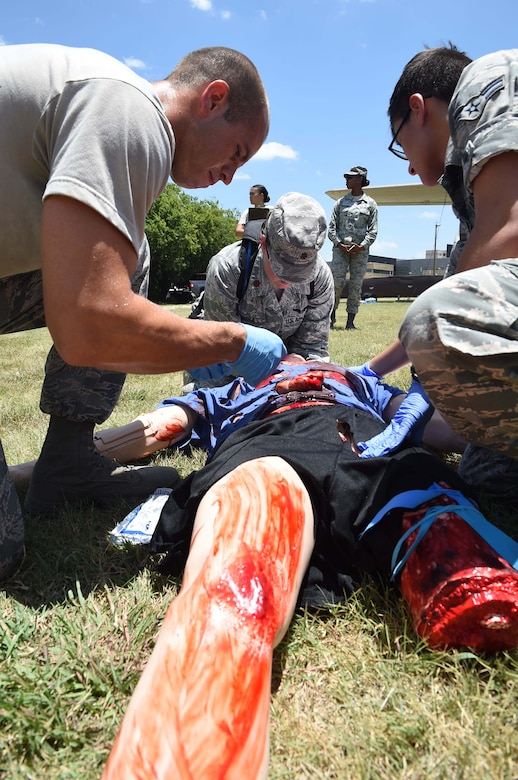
353,227
455,121
258,199
87,148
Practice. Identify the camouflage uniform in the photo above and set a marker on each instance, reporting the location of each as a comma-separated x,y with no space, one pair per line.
78,393
462,334
354,220
300,317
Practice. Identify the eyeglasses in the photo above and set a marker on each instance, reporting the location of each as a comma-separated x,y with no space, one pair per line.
398,151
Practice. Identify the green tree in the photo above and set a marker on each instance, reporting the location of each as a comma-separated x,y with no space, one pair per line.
184,233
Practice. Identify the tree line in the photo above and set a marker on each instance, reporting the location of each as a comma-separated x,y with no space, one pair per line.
184,233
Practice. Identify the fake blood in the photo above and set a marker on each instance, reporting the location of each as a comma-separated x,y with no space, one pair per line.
460,592
170,431
201,707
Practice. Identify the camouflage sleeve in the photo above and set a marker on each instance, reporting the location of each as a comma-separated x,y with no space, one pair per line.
482,112
220,300
311,339
334,224
372,227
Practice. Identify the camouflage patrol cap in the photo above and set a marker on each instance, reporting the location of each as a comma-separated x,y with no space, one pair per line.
358,170
295,231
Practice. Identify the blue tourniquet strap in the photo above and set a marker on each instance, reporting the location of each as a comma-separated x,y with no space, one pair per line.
412,498
503,545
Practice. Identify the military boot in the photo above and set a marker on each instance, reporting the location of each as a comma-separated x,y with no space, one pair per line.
350,322
71,470
12,531
494,473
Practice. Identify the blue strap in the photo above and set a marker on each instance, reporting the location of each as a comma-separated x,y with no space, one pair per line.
412,498
503,545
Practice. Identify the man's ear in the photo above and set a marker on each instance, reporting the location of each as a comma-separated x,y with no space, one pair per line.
214,97
417,105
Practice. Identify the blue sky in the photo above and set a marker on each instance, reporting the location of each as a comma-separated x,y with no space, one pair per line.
329,67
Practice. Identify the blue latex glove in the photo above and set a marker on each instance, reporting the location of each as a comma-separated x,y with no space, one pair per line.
364,370
262,353
408,422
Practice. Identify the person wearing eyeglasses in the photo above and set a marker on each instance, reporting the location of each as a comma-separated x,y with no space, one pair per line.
455,121
353,227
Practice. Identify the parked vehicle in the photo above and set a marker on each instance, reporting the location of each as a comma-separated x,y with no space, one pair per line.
197,284
394,286
178,294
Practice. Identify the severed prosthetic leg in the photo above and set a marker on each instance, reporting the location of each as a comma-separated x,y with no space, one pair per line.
460,591
201,707
146,434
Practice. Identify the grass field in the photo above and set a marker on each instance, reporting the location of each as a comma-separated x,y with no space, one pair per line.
354,695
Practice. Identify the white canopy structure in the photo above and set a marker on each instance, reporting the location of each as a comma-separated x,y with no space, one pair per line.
402,195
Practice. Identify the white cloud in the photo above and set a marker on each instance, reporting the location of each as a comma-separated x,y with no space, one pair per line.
273,149
202,5
135,63
226,14
429,215
241,176
378,246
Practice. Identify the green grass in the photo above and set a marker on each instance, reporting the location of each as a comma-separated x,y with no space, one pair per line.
355,694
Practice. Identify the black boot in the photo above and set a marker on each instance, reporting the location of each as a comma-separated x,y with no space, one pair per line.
12,531
494,473
350,322
71,470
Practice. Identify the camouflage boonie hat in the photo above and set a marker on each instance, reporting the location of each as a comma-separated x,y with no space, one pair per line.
295,231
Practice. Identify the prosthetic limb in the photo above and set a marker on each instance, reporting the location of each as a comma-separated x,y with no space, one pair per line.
146,434
460,592
201,707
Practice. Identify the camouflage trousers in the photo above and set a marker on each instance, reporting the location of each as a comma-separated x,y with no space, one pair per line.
462,337
78,393
341,265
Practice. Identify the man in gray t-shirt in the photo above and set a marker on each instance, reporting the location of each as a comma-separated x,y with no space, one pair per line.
86,148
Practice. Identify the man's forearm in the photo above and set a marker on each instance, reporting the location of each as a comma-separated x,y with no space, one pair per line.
144,338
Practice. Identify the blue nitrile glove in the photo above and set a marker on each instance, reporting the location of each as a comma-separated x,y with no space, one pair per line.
364,370
408,422
262,353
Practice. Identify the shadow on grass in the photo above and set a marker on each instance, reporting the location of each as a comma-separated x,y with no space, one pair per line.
71,551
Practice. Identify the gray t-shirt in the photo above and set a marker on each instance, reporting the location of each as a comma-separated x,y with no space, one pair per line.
78,123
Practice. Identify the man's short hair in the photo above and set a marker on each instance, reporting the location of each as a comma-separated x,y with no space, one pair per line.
247,97
433,73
